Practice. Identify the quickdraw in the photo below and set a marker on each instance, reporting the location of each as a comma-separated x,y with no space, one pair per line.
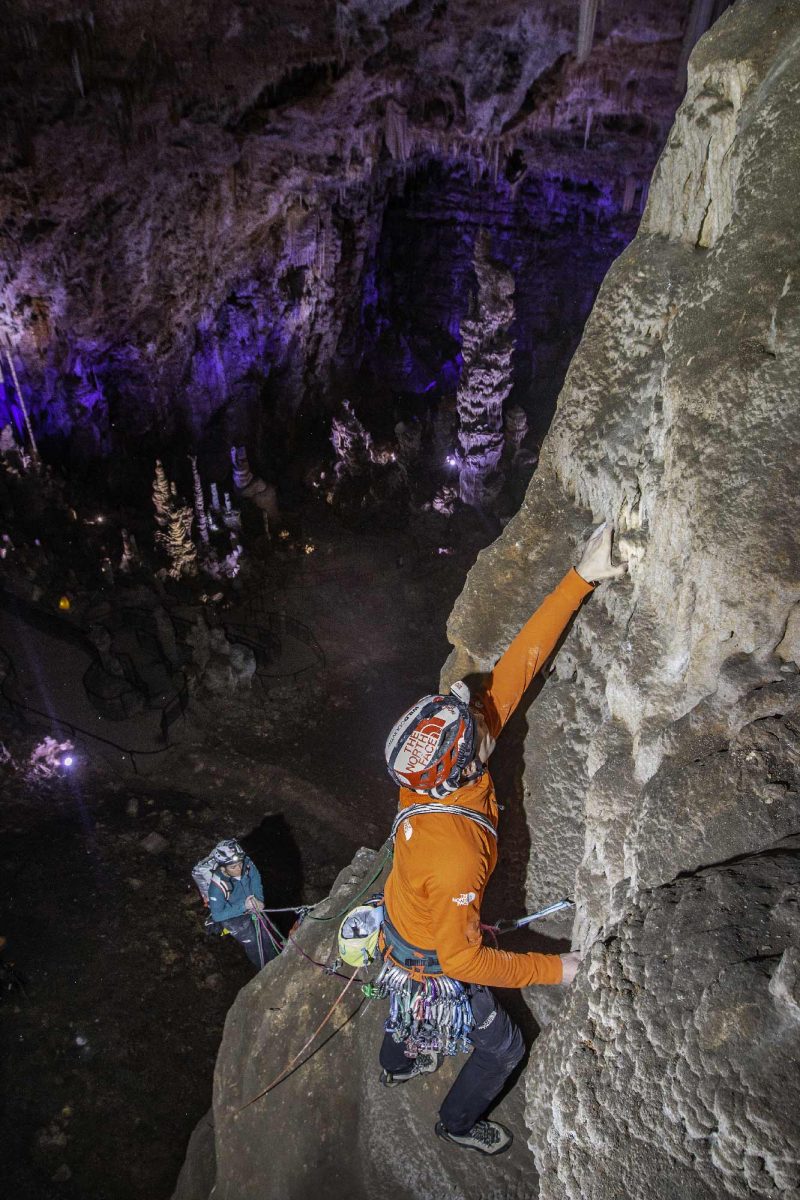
434,1013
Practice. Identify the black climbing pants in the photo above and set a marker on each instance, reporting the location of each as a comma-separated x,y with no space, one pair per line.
498,1049
251,935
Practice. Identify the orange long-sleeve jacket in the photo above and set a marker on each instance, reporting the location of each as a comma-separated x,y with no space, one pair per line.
441,863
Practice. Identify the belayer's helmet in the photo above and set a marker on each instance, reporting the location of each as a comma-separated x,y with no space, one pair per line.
228,852
432,743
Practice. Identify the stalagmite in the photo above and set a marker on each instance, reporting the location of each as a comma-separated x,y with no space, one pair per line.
516,429
254,489
586,24
162,499
178,543
130,552
486,379
199,502
231,517
351,442
409,441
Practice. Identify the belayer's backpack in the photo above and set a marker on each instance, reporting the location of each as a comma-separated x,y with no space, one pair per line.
203,871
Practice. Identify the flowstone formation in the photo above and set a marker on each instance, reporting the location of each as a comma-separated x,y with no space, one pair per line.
662,760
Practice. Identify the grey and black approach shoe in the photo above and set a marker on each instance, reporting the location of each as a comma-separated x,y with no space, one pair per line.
487,1137
424,1064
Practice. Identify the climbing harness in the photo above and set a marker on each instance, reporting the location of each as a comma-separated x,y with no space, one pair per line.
427,1009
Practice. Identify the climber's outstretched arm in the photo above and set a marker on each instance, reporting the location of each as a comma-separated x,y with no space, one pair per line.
538,638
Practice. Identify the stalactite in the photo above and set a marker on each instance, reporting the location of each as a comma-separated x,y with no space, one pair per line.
631,184
588,126
22,404
76,71
586,24
701,17
396,132
486,379
215,506
199,502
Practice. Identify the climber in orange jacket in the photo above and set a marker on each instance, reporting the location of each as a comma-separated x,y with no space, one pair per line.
438,752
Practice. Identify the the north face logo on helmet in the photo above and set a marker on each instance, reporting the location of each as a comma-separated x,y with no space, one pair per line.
421,746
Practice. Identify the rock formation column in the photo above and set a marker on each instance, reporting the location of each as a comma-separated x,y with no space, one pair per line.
485,380
199,502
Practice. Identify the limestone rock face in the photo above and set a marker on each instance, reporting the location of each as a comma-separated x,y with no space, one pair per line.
672,1069
329,1129
667,739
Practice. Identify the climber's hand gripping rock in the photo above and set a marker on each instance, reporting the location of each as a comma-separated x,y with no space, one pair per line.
595,563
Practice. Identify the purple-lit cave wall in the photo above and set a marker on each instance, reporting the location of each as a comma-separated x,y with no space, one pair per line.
558,236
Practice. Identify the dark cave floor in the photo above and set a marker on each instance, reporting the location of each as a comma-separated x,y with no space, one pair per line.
110,1049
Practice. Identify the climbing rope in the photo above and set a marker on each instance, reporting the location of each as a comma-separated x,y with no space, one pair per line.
306,910
289,1066
270,930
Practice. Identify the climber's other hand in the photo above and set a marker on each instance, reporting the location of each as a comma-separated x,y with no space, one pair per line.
253,904
596,562
569,966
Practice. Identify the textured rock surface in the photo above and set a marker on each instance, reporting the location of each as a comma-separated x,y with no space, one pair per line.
667,740
672,1069
331,1129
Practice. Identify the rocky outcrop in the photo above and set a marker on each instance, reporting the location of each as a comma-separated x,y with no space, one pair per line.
326,1127
667,740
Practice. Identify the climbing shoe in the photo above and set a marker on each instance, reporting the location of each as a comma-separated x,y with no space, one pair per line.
425,1063
487,1137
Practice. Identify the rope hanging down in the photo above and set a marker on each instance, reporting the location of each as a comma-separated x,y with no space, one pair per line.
288,1068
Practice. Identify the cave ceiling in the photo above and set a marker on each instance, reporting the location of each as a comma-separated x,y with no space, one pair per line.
192,195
